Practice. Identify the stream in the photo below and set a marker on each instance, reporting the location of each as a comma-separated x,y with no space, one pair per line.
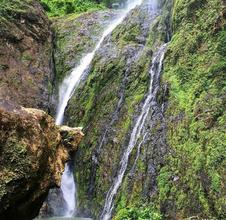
138,128
66,90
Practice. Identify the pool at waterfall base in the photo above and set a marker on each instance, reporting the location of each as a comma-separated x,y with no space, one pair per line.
63,218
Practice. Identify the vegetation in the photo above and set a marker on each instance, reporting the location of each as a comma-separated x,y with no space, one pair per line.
193,181
94,105
63,7
190,179
138,213
9,7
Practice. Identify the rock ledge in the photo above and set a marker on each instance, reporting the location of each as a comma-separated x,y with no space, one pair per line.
33,152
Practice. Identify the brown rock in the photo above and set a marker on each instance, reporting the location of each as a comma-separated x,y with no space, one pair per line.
33,151
26,65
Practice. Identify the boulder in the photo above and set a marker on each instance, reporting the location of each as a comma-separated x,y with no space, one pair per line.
33,152
26,54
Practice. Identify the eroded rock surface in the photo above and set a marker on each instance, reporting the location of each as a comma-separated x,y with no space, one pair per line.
107,105
77,35
33,152
26,65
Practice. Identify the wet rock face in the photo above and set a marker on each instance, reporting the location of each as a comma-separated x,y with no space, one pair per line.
76,35
25,54
107,105
33,151
192,182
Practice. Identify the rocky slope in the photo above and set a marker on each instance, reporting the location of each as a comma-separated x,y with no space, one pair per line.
107,105
26,65
33,153
192,183
180,169
76,35
33,150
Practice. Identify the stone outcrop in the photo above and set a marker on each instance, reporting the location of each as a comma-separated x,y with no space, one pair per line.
76,35
33,151
177,169
107,106
26,64
180,169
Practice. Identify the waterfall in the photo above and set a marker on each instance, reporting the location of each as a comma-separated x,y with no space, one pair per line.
155,71
68,188
72,81
66,90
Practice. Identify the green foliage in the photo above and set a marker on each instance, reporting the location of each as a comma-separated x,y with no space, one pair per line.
193,178
221,47
9,7
138,213
26,57
164,183
64,7
94,106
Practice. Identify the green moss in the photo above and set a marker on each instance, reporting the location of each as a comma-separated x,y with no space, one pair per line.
164,183
8,8
112,78
140,213
61,7
74,38
193,179
26,58
191,182
4,66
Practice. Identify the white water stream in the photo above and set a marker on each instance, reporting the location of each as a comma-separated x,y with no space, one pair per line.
71,82
68,189
66,90
136,133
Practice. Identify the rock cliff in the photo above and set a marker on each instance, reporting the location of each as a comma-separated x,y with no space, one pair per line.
180,169
107,105
76,35
192,182
33,152
26,64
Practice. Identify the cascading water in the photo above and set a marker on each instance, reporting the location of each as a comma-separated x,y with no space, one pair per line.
66,90
68,189
71,82
155,71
